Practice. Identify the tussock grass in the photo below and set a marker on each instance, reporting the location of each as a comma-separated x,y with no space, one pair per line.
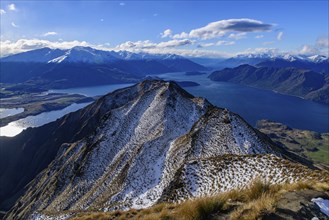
264,204
202,208
256,189
258,199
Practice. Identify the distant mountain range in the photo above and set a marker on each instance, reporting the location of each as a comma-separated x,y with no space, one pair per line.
149,143
85,66
288,80
317,63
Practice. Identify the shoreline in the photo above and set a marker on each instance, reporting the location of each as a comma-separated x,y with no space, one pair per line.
40,106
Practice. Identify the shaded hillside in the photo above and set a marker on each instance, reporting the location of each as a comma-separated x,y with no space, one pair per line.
303,83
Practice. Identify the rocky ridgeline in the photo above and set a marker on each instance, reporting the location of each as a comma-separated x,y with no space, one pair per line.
154,143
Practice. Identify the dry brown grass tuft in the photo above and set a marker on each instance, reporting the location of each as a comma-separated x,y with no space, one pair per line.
321,186
251,210
201,208
251,203
256,189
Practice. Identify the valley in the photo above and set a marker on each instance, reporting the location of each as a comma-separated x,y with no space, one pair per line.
309,144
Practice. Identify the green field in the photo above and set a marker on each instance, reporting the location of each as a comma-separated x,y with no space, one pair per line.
309,144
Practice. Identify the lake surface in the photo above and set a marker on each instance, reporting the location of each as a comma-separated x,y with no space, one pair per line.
18,126
250,103
255,104
5,112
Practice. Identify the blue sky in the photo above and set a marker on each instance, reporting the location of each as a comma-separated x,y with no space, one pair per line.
238,26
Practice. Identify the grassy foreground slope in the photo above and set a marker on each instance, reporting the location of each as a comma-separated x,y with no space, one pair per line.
258,201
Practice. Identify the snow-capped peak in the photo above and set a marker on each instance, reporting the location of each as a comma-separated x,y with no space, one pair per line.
318,58
283,56
91,55
289,57
84,55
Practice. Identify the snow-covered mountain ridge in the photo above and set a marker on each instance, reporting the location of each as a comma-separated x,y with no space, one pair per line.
92,55
81,54
283,56
155,143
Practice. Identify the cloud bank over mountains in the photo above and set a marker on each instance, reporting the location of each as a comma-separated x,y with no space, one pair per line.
214,37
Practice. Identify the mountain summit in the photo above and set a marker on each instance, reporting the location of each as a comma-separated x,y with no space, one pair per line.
145,144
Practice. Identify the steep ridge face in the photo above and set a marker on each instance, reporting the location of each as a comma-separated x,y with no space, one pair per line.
22,157
155,143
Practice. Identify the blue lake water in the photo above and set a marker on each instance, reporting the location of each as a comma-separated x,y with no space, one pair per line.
16,127
5,112
255,104
251,103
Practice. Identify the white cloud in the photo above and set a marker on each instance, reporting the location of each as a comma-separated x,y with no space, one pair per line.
12,7
182,52
225,43
122,4
181,35
175,43
166,33
279,36
222,27
147,44
323,41
101,19
2,12
206,45
51,33
197,53
218,43
237,36
261,50
14,25
155,14
321,46
22,45
259,36
136,45
309,50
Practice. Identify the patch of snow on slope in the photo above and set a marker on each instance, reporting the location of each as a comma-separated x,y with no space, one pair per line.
58,59
323,205
246,139
210,176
